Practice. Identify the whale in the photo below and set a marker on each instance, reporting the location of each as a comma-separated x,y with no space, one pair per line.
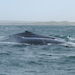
32,38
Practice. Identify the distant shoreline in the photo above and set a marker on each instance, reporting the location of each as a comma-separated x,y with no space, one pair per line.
36,23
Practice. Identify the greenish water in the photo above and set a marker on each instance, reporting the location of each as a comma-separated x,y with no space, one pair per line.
37,60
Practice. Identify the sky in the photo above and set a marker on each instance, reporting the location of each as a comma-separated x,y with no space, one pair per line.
37,10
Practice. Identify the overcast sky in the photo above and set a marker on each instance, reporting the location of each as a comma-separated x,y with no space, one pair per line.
37,10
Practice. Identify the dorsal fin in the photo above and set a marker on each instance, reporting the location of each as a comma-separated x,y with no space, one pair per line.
28,32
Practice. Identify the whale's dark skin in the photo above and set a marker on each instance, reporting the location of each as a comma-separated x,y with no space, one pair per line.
32,38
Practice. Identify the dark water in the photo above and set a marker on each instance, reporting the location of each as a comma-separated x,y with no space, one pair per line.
37,60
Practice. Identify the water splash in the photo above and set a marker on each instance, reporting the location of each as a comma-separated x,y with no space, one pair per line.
69,44
71,39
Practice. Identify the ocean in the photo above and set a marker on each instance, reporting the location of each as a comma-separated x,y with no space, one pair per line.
37,59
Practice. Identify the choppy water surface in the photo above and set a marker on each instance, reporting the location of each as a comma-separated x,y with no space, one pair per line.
37,60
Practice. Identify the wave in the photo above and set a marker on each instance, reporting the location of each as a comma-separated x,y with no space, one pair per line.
12,43
71,39
2,37
71,57
68,44
68,38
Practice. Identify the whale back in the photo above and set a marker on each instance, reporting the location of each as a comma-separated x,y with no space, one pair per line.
30,34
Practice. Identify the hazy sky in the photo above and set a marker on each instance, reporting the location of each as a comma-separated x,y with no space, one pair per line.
37,10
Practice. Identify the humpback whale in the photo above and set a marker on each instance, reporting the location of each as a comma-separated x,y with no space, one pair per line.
35,39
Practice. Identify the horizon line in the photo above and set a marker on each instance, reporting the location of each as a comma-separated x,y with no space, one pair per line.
34,21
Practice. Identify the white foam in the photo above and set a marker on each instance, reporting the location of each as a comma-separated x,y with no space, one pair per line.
71,39
69,44
9,43
13,43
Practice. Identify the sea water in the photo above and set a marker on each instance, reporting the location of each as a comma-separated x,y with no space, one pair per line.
18,59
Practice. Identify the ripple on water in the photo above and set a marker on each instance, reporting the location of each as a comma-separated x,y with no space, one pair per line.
36,60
